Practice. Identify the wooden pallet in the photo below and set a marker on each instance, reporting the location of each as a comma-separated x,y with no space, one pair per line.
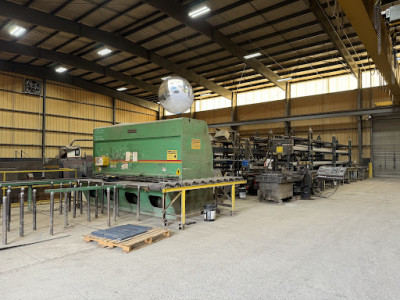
138,241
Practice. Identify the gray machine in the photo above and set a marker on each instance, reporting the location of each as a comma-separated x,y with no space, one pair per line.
333,173
277,186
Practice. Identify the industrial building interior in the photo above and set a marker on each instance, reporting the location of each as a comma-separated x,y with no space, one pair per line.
191,149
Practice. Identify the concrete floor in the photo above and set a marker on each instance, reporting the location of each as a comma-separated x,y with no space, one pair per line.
347,246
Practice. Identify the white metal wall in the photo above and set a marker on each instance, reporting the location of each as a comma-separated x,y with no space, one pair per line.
386,146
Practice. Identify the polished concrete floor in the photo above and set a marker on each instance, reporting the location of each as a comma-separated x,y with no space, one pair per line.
346,246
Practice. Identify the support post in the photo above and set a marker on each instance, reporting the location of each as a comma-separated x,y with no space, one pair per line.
44,123
288,109
74,203
114,111
88,203
234,107
80,199
115,203
69,197
102,198
138,203
96,203
108,207
4,228
66,197
21,213
29,197
9,208
183,209
359,120
34,208
51,212
61,200
164,220
233,199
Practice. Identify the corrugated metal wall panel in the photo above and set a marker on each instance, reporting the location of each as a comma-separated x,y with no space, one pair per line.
72,113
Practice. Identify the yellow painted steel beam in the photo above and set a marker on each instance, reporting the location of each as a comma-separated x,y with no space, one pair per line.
360,15
202,186
383,103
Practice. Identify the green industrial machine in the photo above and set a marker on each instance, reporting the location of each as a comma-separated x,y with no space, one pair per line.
155,152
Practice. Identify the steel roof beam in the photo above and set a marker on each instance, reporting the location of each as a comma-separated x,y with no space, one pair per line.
68,79
180,13
74,61
36,17
326,24
357,11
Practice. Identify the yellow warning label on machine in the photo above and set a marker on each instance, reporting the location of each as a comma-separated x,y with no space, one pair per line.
172,154
178,172
196,144
279,149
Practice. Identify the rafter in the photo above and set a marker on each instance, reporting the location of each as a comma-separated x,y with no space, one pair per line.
68,79
179,13
326,24
36,17
74,61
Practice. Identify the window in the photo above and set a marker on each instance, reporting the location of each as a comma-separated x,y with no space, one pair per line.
212,103
371,78
259,96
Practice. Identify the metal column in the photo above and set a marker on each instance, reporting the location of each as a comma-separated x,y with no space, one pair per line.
288,109
359,120
44,123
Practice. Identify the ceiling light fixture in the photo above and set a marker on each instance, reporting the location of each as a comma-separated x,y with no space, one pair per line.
284,79
61,70
252,55
165,78
200,11
121,89
104,51
16,30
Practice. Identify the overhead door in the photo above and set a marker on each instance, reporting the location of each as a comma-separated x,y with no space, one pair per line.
386,146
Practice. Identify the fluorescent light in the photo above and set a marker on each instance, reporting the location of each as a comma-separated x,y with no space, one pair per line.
198,12
252,55
121,89
398,58
104,51
284,79
61,70
206,94
165,78
16,30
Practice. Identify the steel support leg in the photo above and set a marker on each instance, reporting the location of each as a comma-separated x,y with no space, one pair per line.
51,212
108,207
115,203
66,197
61,200
21,213
138,204
183,210
34,208
96,203
5,206
74,203
9,209
233,199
